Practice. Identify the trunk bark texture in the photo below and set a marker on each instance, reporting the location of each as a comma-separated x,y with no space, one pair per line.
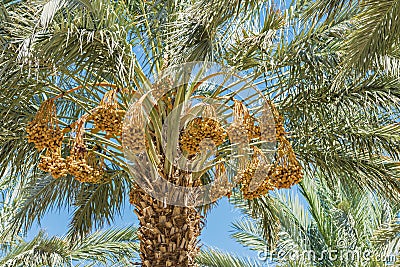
168,234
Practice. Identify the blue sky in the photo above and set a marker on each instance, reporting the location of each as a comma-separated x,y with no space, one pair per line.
215,234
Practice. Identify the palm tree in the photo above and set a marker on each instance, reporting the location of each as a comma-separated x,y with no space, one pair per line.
320,227
77,59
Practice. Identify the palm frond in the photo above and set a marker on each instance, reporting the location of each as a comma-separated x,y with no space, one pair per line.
320,8
93,203
97,204
386,239
378,26
216,258
249,234
264,211
115,246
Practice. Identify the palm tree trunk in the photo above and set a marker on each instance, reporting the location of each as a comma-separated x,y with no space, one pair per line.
168,234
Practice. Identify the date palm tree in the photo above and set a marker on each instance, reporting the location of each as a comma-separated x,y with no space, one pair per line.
71,54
